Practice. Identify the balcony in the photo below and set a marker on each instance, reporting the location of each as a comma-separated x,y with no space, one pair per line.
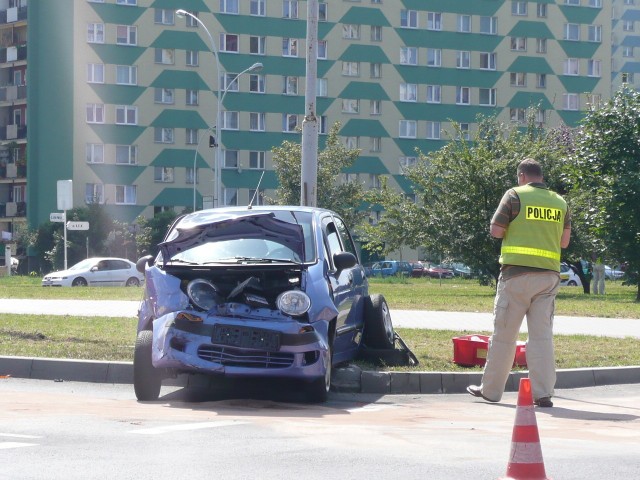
13,209
13,54
12,93
11,171
14,14
13,132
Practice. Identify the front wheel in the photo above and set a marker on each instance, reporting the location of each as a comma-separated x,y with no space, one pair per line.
147,380
79,282
378,328
318,390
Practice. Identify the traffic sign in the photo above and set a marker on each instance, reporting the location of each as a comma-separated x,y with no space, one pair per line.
78,225
56,217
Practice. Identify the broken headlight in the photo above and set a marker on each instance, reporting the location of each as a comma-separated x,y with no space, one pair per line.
293,302
203,294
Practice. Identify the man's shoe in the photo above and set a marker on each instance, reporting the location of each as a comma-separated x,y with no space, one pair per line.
476,391
544,402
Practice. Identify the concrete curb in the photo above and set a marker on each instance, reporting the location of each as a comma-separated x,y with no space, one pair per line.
346,379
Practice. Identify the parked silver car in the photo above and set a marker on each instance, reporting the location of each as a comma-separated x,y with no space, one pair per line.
98,271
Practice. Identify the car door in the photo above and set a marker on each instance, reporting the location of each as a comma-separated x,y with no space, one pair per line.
348,287
100,274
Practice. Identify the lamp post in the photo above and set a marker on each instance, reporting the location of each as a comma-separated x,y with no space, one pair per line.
195,158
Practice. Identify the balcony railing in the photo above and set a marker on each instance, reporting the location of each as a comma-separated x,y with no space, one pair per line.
11,93
14,14
13,132
13,54
13,209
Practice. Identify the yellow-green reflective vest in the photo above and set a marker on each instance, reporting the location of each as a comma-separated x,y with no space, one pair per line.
533,237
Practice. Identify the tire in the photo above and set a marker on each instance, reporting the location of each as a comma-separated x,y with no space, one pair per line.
147,380
378,328
132,282
572,283
79,282
318,390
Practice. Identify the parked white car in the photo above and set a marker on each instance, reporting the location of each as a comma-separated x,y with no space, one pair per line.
612,274
568,276
99,271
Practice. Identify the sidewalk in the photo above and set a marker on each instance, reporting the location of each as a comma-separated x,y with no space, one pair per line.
346,379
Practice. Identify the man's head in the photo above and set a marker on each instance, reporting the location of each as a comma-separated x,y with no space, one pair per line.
529,171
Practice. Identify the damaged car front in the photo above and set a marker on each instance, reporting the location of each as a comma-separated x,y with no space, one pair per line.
244,292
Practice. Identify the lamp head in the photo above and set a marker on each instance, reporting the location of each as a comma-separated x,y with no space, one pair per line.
256,67
181,13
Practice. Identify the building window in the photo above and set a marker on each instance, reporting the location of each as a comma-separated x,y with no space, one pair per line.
323,11
433,130
434,57
407,129
519,8
192,58
375,70
164,16
95,73
257,160
434,21
627,77
94,193
627,51
350,31
408,92
126,115
230,120
489,25
322,50
375,144
350,105
406,163
191,97
541,45
570,101
163,174
229,6
95,153
289,47
190,21
408,56
163,135
95,113
572,2
628,25
257,197
126,154
323,125
487,97
350,69
257,121
463,95
257,8
163,95
127,2
518,115
464,23
540,116
191,175
594,68
519,44
257,45
594,33
322,88
409,18
290,85
289,8
126,35
126,195
352,143
595,3
191,136
126,75
164,56
230,196
572,31
376,33
518,79
541,10
289,122
228,42
375,107
256,83
463,59
571,66
434,94
541,80
95,33
229,82
488,61
230,159
464,131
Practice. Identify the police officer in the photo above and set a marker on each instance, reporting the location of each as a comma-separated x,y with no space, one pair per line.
534,224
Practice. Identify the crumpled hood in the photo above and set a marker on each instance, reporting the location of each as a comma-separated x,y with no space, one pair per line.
199,228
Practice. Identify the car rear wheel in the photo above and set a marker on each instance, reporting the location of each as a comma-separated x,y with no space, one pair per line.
147,380
133,282
378,328
79,282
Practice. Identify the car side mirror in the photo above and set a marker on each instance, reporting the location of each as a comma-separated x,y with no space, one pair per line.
143,262
344,260
94,268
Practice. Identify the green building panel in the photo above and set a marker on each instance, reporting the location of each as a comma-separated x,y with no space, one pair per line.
631,41
579,49
118,14
256,141
171,118
117,94
578,84
364,91
524,64
364,53
411,146
406,185
365,164
118,54
124,213
118,134
188,5
475,7
449,76
272,103
267,26
173,39
530,100
179,157
576,14
531,29
571,118
231,178
443,112
476,42
272,65
365,16
363,128
175,197
117,174
183,79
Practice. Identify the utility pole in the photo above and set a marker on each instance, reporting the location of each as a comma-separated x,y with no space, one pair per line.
309,167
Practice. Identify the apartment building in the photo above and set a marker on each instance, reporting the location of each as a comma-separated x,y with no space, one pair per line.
123,94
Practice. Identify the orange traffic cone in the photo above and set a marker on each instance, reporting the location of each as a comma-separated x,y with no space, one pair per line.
525,459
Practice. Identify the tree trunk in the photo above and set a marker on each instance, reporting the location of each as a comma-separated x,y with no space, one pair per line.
585,279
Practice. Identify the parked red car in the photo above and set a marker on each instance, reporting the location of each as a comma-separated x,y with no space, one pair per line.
418,269
438,271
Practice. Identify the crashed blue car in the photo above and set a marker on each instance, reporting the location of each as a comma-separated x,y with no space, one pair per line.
272,291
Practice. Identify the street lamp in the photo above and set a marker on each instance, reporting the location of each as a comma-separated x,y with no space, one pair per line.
195,158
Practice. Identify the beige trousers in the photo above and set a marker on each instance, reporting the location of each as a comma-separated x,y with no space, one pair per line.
533,295
598,279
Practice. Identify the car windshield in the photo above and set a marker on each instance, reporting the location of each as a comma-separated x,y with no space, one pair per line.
83,265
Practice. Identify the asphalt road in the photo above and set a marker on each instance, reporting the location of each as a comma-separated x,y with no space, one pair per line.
68,430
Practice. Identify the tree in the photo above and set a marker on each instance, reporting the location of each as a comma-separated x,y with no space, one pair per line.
606,179
151,231
342,198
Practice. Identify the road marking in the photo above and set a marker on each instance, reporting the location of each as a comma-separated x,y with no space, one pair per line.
18,435
373,407
7,445
186,427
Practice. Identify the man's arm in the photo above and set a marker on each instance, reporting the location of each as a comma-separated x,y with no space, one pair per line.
497,231
566,237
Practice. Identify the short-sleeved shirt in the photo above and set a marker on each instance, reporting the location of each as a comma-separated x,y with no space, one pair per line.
509,209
